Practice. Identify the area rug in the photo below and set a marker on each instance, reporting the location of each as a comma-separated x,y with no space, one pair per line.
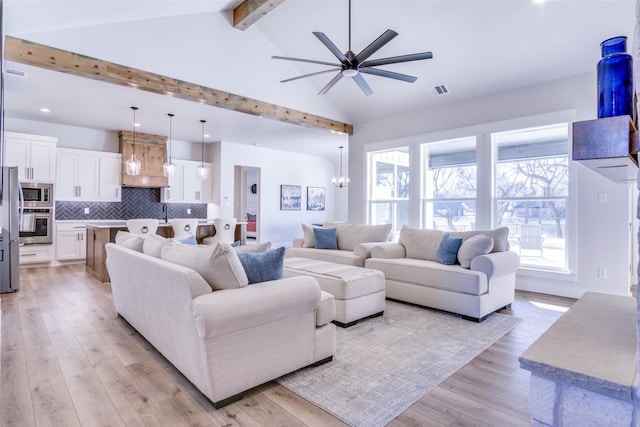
385,364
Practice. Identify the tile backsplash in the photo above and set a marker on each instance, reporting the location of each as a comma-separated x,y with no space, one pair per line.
135,203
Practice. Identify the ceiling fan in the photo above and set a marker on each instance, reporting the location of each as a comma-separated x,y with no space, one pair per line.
352,65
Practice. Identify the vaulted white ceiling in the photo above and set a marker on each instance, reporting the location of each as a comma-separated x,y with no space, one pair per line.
479,47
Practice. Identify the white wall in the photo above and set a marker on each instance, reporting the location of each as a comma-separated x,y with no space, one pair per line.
602,231
276,168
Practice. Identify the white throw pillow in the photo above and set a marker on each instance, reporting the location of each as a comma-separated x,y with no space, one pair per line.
258,247
153,245
309,237
472,247
129,240
217,264
420,243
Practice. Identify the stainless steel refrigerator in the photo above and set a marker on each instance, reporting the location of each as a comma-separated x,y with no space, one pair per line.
9,226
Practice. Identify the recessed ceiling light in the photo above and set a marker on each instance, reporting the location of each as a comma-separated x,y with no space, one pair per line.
137,125
206,135
539,1
45,110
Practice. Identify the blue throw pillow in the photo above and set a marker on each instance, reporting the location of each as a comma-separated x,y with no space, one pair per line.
325,238
448,249
263,266
191,240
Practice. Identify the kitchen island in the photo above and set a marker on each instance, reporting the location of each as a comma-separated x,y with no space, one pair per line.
100,233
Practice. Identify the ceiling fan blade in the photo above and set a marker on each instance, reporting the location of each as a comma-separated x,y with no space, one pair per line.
390,74
310,61
363,84
397,59
332,47
309,75
329,85
374,46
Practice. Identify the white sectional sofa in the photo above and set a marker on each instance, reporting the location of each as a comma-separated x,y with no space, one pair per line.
228,340
480,281
353,243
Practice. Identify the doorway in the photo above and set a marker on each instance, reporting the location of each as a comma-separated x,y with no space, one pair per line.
248,193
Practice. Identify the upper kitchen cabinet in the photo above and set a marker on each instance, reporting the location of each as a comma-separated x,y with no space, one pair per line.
34,155
110,167
84,175
186,186
78,176
151,151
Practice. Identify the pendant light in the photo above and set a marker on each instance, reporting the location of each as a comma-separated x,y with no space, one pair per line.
169,168
133,165
340,181
202,171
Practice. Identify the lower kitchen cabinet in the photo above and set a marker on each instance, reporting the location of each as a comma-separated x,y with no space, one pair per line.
35,254
71,241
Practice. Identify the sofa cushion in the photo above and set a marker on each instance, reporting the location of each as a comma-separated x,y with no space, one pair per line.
479,244
337,256
500,237
217,264
420,243
431,274
258,247
153,245
326,238
448,249
351,235
309,240
129,240
263,266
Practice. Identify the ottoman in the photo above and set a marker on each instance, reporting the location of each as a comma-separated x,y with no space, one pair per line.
358,292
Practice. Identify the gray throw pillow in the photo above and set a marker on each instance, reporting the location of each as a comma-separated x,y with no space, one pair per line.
472,247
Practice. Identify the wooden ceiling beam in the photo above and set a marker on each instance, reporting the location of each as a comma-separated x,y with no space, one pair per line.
51,58
249,11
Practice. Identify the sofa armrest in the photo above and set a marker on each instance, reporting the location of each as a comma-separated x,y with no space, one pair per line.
363,250
388,250
297,243
230,310
496,264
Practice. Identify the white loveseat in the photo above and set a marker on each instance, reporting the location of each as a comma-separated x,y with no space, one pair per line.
353,245
224,341
413,273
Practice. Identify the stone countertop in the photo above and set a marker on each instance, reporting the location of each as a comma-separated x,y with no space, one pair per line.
592,346
123,223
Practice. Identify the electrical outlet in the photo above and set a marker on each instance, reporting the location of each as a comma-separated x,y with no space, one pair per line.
602,197
602,273
188,211
86,211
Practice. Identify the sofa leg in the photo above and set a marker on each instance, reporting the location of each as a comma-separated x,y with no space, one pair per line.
224,402
348,325
474,319
507,307
321,362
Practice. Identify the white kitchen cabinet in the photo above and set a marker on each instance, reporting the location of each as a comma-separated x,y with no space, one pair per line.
78,175
34,155
35,254
110,171
186,186
71,241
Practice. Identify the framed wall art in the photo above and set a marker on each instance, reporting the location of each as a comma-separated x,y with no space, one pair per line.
290,197
315,198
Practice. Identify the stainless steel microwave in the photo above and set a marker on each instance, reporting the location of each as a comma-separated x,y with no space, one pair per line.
37,195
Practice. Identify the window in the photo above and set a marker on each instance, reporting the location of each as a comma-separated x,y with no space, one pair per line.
531,193
450,188
389,187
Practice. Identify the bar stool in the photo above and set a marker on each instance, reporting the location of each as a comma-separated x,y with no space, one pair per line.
143,226
225,231
184,229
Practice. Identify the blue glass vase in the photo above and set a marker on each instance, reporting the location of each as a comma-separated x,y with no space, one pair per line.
615,79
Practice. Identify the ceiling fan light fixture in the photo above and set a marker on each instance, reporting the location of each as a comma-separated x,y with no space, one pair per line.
350,72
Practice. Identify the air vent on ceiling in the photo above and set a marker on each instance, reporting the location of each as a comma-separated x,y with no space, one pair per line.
15,72
439,89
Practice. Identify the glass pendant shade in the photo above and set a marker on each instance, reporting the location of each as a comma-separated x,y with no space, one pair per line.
340,181
203,172
133,165
169,168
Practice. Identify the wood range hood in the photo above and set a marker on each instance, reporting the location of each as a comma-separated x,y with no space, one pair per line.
151,150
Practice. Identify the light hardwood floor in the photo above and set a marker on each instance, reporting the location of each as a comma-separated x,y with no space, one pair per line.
68,360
